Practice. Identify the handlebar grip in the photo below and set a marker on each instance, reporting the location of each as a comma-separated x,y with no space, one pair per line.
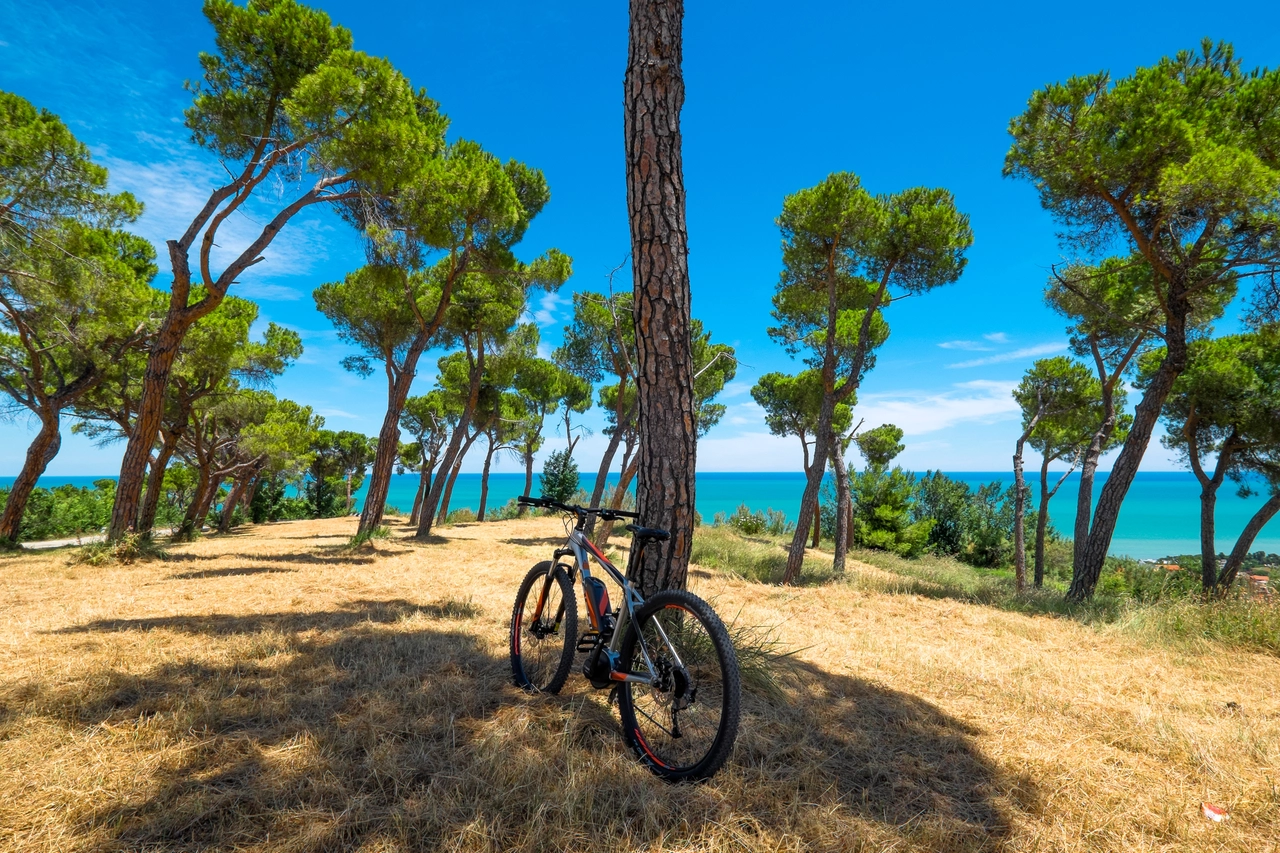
525,500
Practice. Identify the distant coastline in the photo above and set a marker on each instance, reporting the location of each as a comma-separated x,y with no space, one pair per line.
1160,516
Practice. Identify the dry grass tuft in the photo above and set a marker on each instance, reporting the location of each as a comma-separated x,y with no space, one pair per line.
273,689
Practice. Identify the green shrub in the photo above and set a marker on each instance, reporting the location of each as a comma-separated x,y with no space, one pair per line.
460,516
559,478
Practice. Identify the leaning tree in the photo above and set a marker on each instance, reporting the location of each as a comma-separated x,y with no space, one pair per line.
846,254
1180,162
285,104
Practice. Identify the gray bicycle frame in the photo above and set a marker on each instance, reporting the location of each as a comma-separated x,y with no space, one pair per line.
583,552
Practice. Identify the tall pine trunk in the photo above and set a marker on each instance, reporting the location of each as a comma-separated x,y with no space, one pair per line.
528,478
155,483
232,501
843,508
605,530
484,480
40,452
652,100
427,516
384,460
453,478
1091,559
150,415
424,486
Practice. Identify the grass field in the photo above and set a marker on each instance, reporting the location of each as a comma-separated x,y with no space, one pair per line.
273,690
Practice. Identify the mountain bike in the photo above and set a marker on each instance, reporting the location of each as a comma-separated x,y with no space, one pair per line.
668,656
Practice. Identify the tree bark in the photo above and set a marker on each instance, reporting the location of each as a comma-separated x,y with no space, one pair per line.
384,460
605,530
653,98
1087,572
193,517
428,514
1251,530
1042,522
1145,417
155,483
424,486
150,416
232,501
843,508
528,480
42,449
453,478
484,480
1020,509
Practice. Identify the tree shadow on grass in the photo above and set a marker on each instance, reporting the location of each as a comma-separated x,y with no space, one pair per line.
392,723
537,542
229,573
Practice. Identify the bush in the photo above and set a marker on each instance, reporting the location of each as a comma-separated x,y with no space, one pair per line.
510,509
559,476
460,516
882,517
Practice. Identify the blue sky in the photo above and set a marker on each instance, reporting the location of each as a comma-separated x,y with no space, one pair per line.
778,96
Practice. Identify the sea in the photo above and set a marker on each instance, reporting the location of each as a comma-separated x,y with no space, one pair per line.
1160,517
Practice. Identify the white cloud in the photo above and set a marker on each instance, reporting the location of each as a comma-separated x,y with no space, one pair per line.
997,338
965,345
735,389
921,412
336,413
175,190
1025,352
269,292
546,313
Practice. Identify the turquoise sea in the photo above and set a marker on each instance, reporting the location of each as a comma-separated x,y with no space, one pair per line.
1160,516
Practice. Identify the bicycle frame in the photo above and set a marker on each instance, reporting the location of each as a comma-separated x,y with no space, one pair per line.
583,550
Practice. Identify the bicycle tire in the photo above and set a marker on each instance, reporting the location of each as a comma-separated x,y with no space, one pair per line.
678,753
542,654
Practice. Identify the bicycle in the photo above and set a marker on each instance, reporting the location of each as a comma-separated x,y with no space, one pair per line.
675,676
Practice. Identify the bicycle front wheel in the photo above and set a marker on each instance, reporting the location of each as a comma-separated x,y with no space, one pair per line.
683,725
542,648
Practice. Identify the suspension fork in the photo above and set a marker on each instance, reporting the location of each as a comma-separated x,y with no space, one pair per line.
546,586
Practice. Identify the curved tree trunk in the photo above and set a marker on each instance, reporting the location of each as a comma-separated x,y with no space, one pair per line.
427,516
1020,510
232,501
843,508
813,485
384,460
1089,567
605,530
40,452
424,485
192,520
150,415
528,480
1265,513
155,484
652,100
1042,522
453,478
484,480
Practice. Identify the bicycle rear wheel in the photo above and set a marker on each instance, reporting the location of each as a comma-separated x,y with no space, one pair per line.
542,649
682,727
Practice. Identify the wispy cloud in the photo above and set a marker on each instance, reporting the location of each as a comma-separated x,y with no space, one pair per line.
546,313
174,190
920,412
735,389
1015,355
965,345
997,338
336,413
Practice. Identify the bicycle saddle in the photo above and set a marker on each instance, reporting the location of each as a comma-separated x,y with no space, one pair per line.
641,533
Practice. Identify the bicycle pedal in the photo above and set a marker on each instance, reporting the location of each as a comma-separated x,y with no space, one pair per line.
588,641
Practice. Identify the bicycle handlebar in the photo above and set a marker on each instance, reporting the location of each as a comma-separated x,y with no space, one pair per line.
603,512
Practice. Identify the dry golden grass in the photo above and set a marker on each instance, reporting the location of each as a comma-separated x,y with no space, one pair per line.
272,690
